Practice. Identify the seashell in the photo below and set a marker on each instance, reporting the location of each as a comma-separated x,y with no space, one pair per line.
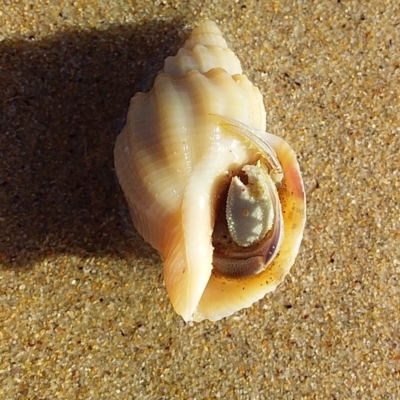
220,199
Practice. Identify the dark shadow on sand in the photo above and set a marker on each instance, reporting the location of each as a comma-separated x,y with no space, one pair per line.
63,102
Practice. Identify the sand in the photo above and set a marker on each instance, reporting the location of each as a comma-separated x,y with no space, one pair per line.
83,309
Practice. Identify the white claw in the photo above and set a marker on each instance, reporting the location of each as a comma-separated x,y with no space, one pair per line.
249,208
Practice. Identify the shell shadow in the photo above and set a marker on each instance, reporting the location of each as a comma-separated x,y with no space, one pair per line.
64,101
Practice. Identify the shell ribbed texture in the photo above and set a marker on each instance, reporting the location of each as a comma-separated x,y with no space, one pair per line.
158,154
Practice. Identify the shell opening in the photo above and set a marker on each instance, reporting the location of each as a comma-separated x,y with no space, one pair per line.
248,227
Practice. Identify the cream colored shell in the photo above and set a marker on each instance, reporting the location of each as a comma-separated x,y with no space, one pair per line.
173,155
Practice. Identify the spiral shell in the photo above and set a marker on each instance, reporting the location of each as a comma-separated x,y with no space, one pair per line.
220,199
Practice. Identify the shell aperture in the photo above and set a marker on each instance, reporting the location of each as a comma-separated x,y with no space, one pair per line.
248,241
195,141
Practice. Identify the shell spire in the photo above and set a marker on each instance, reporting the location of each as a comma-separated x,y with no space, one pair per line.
199,131
205,49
